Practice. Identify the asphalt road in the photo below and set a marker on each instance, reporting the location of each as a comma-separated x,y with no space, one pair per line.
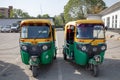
11,67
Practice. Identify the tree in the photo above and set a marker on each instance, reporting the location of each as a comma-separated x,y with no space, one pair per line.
39,16
59,20
78,9
2,16
94,6
25,15
18,13
45,16
72,9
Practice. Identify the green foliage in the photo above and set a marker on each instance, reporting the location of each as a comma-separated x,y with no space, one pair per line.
95,6
59,20
78,9
39,16
1,15
18,13
45,16
11,13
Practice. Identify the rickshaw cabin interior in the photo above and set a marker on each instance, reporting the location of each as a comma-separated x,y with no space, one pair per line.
70,34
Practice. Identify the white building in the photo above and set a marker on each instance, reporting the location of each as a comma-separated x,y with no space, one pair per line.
94,16
111,16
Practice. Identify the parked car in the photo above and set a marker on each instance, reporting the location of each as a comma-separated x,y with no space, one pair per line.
14,28
0,28
6,28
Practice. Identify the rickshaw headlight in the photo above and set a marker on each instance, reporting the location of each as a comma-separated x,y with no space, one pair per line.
45,47
83,48
24,48
103,48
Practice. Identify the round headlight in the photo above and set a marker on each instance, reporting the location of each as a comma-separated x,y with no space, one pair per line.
24,47
84,48
45,47
103,47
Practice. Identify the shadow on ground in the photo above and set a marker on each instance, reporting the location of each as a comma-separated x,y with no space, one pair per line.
109,70
10,71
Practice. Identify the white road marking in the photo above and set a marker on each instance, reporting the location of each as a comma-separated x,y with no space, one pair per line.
58,65
59,71
57,44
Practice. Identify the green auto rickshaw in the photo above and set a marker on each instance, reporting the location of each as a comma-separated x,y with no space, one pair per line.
37,43
85,43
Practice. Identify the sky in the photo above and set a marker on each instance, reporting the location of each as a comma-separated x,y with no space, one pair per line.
35,7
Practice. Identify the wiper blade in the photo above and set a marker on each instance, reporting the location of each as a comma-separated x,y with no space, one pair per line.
92,41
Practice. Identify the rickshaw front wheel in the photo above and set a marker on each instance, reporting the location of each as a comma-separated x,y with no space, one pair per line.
64,55
34,71
95,71
30,67
55,54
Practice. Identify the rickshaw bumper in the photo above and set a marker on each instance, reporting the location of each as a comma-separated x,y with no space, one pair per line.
96,60
34,60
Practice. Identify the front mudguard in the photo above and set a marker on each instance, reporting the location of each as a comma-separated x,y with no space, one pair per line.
94,62
34,63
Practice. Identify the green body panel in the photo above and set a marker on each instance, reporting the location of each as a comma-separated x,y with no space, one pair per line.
45,57
69,49
35,63
25,57
80,57
92,60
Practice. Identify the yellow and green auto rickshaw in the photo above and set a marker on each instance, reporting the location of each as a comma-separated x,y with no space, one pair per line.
85,43
37,43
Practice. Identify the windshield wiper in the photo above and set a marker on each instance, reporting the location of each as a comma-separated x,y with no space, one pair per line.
95,37
98,32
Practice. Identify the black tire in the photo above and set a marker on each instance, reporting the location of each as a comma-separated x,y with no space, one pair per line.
55,54
95,70
64,55
30,67
54,57
34,71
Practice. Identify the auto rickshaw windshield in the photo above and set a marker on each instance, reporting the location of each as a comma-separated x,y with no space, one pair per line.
35,32
90,31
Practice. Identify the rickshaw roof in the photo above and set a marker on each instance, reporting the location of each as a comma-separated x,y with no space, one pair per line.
35,21
89,21
84,22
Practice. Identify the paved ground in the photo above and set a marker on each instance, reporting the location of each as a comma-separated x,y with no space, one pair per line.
113,35
11,67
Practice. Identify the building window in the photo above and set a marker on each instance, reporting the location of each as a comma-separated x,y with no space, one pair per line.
112,21
115,21
2,9
108,21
